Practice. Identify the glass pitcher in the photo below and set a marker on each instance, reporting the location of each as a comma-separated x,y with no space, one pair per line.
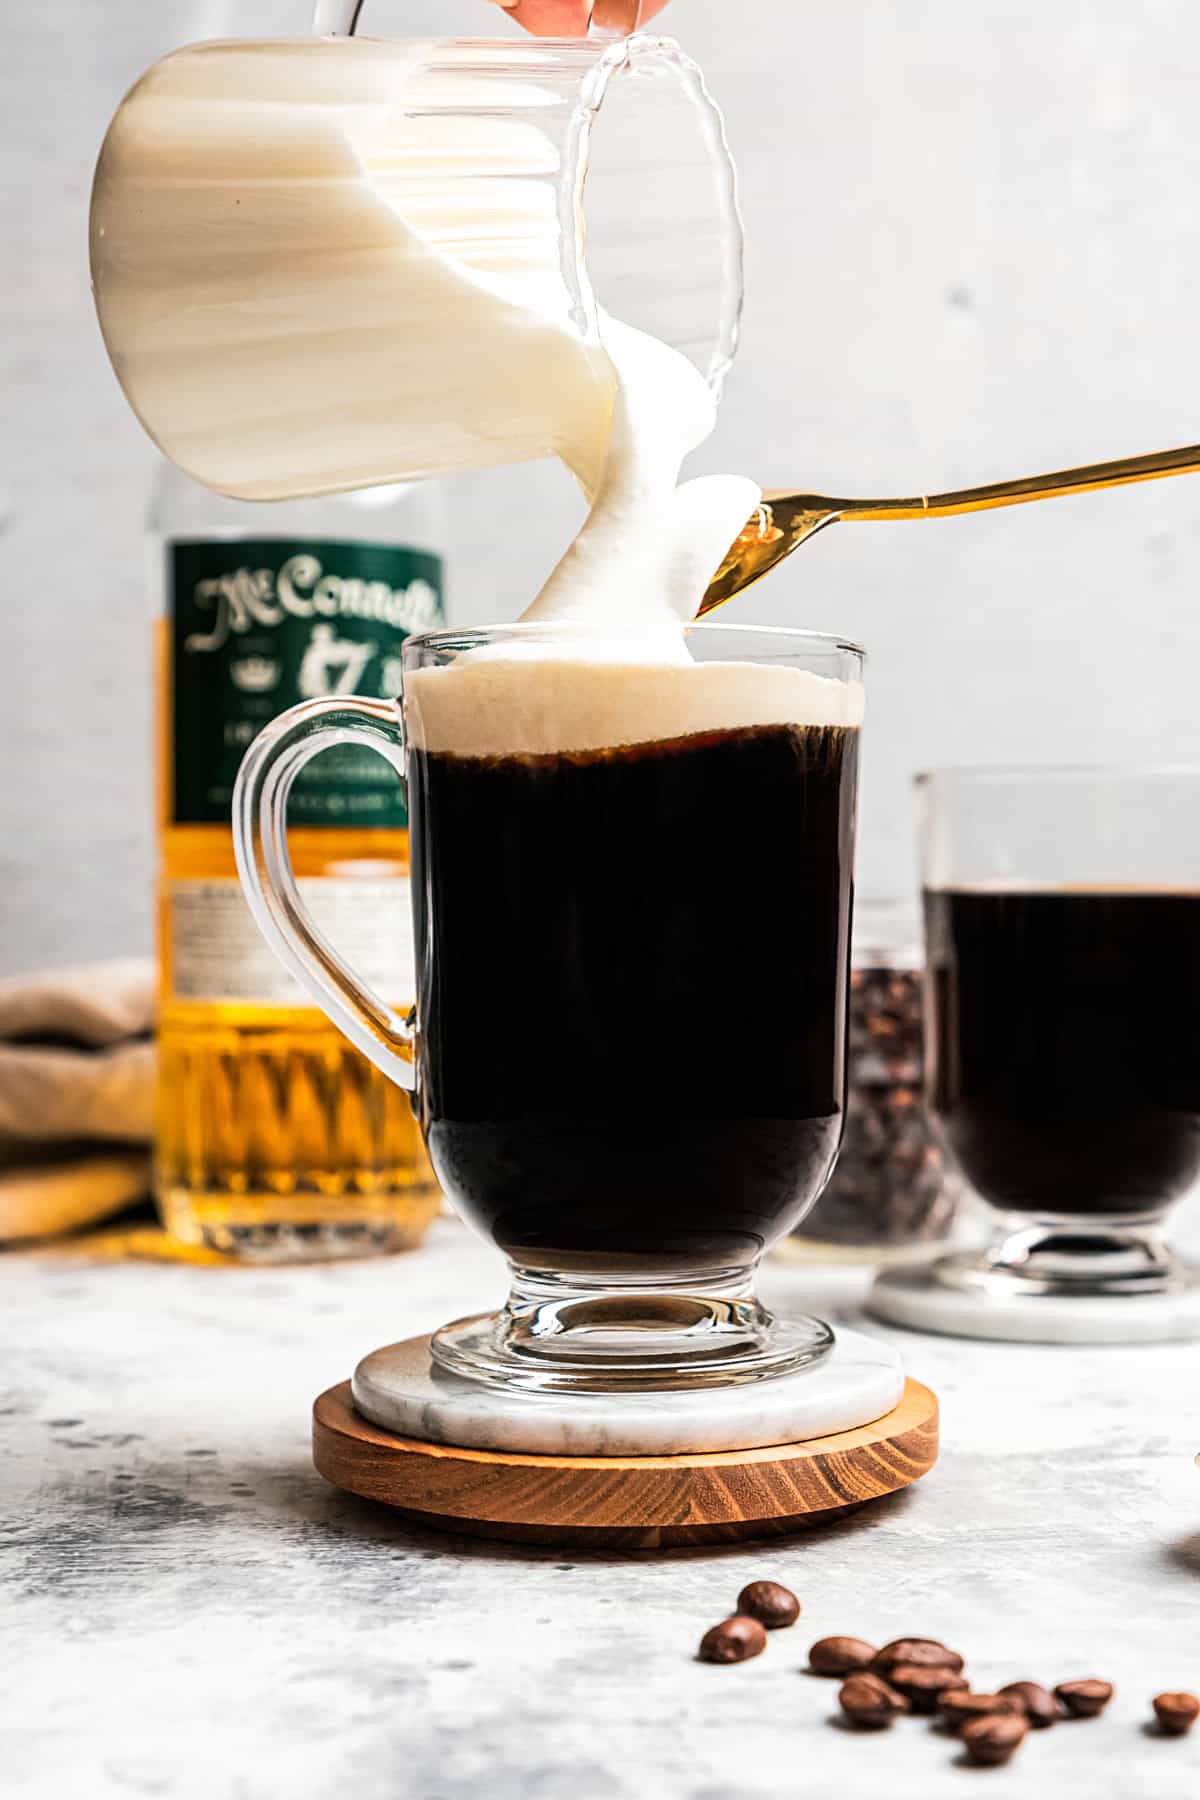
326,263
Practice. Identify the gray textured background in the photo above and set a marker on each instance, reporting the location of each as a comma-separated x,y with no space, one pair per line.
973,252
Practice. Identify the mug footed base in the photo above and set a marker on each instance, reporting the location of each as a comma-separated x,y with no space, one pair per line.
556,1335
1053,1280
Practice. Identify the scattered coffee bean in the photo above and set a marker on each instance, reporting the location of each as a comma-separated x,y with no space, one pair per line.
772,1605
1176,1713
993,1739
840,1655
960,1704
1084,1699
733,1640
869,1702
1035,1701
921,1653
923,1687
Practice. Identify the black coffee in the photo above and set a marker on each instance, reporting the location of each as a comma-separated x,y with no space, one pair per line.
633,991
1066,1063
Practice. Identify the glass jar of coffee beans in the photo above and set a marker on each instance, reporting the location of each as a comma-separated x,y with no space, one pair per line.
891,1195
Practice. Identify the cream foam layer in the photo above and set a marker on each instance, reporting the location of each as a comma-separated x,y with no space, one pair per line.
564,704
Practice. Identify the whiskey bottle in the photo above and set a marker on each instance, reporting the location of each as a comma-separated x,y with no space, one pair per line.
275,1139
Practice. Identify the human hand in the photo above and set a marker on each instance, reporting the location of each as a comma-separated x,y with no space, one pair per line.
570,18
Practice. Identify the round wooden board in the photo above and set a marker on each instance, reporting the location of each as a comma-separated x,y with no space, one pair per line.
626,1502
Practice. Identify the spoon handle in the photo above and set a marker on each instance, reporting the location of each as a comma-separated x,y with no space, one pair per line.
1085,480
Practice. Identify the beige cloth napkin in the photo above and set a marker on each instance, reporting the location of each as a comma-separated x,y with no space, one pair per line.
77,1070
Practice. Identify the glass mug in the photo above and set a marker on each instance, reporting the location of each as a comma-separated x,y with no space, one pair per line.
627,1052
1062,919
330,263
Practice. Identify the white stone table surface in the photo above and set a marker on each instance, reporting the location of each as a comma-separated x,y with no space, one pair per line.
187,1611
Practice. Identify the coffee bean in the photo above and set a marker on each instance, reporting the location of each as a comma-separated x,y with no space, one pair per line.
921,1653
1176,1713
923,1687
960,1704
993,1739
839,1655
1084,1699
772,1605
869,1702
733,1640
1035,1701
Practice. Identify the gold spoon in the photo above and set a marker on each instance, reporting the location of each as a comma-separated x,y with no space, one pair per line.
783,521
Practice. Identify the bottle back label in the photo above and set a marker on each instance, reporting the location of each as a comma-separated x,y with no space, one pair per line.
259,623
218,954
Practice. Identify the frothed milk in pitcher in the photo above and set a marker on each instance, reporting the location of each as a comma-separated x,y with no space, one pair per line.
322,264
290,299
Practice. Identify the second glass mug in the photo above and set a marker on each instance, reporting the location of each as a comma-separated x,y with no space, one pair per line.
627,1052
1063,945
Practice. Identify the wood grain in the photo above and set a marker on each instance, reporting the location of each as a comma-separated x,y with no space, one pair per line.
626,1502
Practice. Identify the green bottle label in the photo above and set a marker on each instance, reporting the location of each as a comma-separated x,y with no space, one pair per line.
259,623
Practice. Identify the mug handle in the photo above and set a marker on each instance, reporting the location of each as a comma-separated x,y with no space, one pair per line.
260,796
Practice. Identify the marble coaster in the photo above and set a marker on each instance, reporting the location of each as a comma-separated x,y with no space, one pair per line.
400,1389
917,1298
